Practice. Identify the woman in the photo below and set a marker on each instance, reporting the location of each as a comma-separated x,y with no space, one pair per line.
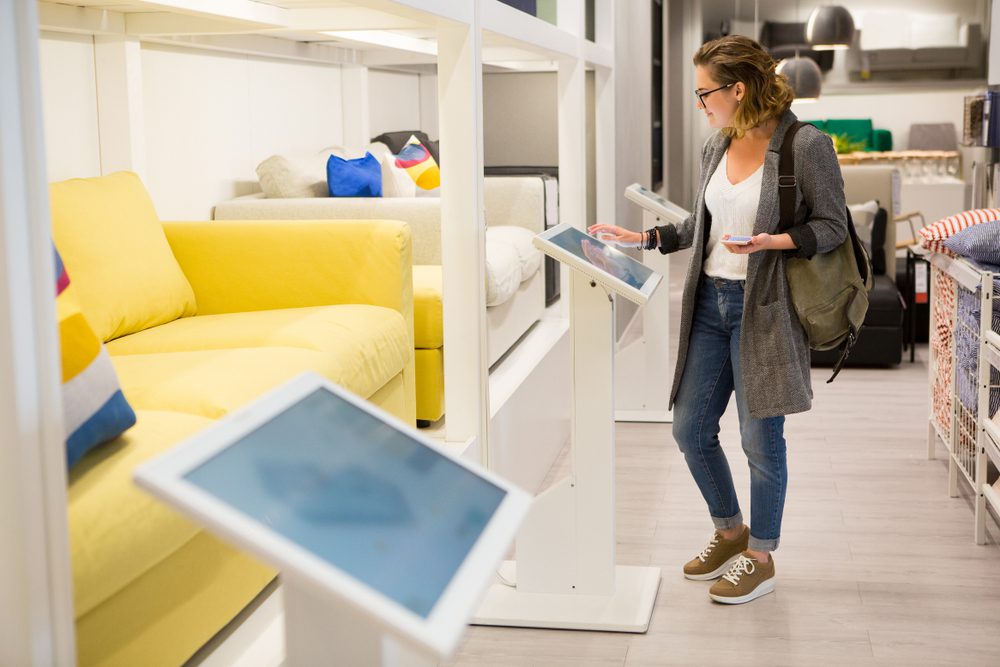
739,332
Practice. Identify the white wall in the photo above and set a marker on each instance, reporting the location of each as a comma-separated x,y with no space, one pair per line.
520,126
212,117
69,104
395,102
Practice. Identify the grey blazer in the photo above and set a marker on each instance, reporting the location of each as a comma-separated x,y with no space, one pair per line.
774,350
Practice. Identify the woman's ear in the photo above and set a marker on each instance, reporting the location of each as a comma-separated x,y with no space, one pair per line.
740,91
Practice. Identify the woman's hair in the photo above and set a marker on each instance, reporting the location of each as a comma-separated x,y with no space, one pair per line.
740,59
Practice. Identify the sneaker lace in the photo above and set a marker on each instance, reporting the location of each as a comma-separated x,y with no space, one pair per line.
706,552
743,565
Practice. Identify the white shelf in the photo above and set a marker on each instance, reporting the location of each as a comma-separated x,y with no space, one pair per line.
992,496
959,269
991,443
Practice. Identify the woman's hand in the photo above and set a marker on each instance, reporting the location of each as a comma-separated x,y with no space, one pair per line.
758,242
617,235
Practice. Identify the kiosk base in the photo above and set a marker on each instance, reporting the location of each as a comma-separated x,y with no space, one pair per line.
627,610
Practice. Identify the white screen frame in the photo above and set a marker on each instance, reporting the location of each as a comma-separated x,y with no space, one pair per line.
441,630
544,243
664,210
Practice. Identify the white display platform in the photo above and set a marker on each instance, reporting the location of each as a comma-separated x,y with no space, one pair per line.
384,541
565,574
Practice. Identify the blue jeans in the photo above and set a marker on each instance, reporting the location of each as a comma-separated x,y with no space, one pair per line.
711,373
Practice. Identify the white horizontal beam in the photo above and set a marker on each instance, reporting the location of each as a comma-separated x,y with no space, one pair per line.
526,31
597,56
154,24
236,10
80,20
348,18
262,45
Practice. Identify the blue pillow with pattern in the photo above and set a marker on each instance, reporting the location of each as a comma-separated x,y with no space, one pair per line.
978,242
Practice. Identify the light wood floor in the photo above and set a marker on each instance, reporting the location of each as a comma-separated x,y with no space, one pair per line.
877,566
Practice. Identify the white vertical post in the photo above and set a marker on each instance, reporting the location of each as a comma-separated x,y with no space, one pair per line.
36,604
463,232
120,121
355,107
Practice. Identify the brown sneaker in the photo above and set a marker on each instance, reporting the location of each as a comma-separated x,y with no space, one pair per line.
747,580
717,557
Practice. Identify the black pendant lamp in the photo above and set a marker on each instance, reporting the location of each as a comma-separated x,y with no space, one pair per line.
804,76
830,27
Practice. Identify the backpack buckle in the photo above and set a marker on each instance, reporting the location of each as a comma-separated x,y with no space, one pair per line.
786,181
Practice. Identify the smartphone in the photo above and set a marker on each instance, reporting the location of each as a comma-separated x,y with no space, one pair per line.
737,240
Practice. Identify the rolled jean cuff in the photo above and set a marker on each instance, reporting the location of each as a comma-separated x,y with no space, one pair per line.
757,544
732,522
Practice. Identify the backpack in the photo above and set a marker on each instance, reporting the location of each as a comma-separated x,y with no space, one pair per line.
829,291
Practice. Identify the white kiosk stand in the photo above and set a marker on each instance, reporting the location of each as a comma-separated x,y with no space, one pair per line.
385,542
643,369
565,574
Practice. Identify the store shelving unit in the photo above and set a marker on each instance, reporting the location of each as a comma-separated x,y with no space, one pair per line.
964,371
456,38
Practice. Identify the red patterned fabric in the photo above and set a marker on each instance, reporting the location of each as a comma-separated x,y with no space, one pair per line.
933,235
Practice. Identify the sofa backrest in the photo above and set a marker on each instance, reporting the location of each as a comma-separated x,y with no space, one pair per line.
509,200
866,182
113,245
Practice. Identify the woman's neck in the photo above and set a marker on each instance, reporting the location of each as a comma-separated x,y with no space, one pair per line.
761,133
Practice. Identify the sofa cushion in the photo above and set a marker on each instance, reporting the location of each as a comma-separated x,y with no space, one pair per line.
126,276
94,408
428,332
503,273
396,182
283,176
416,159
979,242
522,240
118,532
210,364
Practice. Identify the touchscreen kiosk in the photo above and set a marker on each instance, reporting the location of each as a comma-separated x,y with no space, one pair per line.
666,211
599,261
344,498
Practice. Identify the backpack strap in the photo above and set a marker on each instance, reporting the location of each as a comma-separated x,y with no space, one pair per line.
786,178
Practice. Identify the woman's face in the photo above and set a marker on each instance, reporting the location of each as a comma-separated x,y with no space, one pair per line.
719,106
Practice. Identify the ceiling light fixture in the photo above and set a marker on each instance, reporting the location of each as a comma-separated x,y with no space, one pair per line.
830,27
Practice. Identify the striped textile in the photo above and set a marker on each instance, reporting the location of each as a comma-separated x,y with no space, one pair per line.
933,235
94,408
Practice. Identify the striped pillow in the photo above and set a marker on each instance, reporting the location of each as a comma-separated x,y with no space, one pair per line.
980,243
94,408
933,235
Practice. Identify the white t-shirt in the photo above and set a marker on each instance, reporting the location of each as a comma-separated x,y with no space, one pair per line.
734,210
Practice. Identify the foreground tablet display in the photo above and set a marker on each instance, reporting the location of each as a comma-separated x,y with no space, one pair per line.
604,264
336,493
667,211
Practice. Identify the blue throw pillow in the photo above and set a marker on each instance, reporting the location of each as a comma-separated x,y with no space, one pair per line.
354,178
980,243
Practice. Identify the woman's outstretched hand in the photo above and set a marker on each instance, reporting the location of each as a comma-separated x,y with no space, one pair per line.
616,235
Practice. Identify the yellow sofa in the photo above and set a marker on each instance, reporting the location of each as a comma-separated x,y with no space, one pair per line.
199,318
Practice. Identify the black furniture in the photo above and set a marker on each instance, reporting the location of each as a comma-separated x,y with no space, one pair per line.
880,342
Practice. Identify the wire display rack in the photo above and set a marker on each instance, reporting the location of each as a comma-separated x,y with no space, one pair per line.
964,368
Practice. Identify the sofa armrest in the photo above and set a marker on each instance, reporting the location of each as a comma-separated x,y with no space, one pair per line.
246,265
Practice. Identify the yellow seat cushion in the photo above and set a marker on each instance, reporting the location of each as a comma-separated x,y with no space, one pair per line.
208,365
118,532
113,245
428,330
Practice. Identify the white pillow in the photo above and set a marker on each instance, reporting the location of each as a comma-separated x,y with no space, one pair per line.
503,273
863,216
282,177
395,181
520,239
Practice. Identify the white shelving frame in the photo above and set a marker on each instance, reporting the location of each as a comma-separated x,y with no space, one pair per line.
972,440
465,33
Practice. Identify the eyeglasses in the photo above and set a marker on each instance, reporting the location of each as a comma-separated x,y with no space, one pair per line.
701,96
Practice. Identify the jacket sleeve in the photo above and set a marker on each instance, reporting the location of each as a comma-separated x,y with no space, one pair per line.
674,237
822,185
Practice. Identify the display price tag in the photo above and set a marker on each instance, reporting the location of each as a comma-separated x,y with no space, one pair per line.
920,282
